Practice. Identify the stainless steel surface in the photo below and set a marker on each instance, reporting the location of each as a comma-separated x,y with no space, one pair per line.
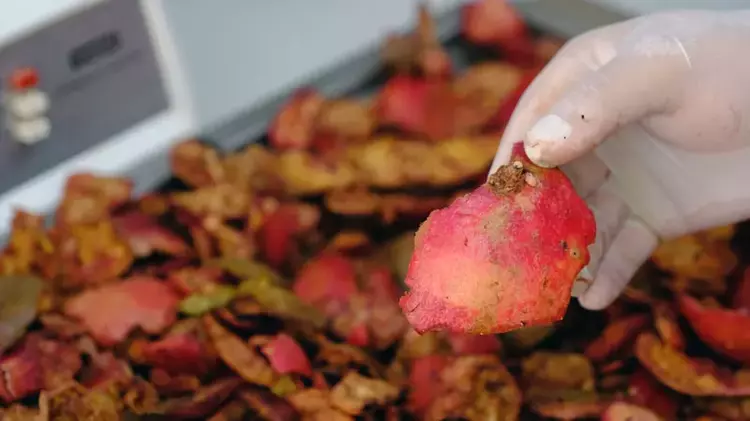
100,73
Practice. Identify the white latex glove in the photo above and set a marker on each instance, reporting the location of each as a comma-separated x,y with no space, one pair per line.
670,93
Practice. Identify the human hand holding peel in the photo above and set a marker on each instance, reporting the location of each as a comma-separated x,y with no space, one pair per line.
668,90
650,119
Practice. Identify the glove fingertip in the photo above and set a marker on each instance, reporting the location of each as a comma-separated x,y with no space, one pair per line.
545,139
598,298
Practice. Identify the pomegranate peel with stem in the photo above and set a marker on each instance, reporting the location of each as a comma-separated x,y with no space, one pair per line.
502,257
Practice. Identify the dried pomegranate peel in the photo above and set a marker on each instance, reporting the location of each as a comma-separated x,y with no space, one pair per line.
502,257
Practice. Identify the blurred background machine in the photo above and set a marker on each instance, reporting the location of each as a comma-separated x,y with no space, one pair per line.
109,85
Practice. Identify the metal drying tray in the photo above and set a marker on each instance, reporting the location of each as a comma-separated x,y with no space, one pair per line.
361,74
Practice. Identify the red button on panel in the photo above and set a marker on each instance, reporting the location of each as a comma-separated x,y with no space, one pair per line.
24,78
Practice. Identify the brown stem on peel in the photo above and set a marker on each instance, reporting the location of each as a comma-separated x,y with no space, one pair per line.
508,179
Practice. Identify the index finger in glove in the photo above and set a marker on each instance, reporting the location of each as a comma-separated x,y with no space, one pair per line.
577,58
623,243
538,98
631,247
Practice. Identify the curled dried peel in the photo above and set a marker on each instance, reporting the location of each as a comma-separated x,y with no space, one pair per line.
146,236
645,390
497,24
685,375
328,282
727,331
727,408
419,51
179,353
196,163
615,336
34,364
476,387
666,325
424,380
202,403
390,162
558,371
622,411
437,109
502,257
705,256
293,126
29,245
585,407
88,198
277,233
244,360
491,21
346,118
488,86
286,356
463,344
390,207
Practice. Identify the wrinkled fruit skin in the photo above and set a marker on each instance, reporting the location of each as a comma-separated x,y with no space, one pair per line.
495,261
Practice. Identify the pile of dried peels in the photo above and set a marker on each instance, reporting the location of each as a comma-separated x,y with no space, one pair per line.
264,283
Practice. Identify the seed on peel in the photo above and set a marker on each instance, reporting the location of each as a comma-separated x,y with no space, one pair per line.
517,165
530,179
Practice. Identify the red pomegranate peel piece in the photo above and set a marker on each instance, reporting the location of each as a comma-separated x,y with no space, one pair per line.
498,24
503,257
491,22
615,336
727,331
424,380
112,311
465,344
401,103
34,364
327,281
286,356
181,353
277,234
646,391
293,126
146,236
687,375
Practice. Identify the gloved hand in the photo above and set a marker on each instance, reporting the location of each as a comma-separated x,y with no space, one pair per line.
650,118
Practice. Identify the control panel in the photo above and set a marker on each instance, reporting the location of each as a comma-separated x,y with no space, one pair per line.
26,107
74,84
